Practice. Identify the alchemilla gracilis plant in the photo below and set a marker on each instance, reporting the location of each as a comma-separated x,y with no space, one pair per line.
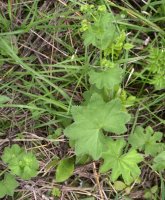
92,110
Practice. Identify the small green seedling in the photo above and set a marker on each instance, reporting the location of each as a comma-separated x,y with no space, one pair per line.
21,163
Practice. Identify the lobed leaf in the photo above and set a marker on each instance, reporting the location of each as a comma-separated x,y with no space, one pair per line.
147,140
106,79
121,164
101,32
90,121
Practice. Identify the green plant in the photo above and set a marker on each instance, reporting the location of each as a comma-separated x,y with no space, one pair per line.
64,169
91,121
156,66
121,164
146,140
104,112
98,27
56,192
21,163
159,161
8,185
106,79
45,69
